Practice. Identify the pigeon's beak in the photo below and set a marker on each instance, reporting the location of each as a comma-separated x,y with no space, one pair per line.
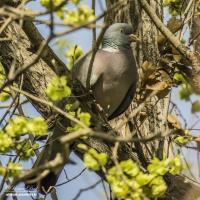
133,38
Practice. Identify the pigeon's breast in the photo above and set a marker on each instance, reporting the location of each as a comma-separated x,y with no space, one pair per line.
118,75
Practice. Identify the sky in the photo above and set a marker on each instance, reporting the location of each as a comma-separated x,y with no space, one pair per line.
88,178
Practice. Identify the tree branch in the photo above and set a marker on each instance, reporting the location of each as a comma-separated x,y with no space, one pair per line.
193,57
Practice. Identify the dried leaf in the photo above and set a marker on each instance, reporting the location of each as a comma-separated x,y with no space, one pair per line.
148,67
177,57
165,77
153,76
197,140
147,70
158,86
173,121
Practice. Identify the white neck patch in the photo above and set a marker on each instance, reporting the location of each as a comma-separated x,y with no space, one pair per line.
110,49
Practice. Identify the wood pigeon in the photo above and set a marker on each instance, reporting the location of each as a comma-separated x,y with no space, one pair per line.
114,72
113,83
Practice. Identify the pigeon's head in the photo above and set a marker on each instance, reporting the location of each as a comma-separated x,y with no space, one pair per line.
117,36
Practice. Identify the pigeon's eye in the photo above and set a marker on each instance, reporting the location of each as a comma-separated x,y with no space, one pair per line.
121,30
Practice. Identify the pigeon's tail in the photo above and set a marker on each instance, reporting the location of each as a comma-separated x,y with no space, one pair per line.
46,184
52,159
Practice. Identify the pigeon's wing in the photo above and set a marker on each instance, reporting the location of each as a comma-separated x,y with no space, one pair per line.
125,103
80,71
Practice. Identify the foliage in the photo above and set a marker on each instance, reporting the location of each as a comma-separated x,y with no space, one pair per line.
11,140
12,170
17,127
75,1
26,149
184,139
128,181
196,106
72,55
5,94
5,142
94,160
21,125
83,117
47,3
37,126
57,89
185,88
80,15
185,92
2,74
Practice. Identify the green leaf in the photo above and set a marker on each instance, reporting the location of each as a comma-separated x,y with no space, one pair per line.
2,74
176,165
130,168
57,89
81,15
5,95
5,142
123,183
17,126
91,162
20,125
183,140
94,160
186,89
179,77
82,147
85,118
73,54
185,92
120,189
159,167
158,187
144,179
114,172
75,1
68,107
37,126
102,159
196,106
46,3
25,149
12,170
